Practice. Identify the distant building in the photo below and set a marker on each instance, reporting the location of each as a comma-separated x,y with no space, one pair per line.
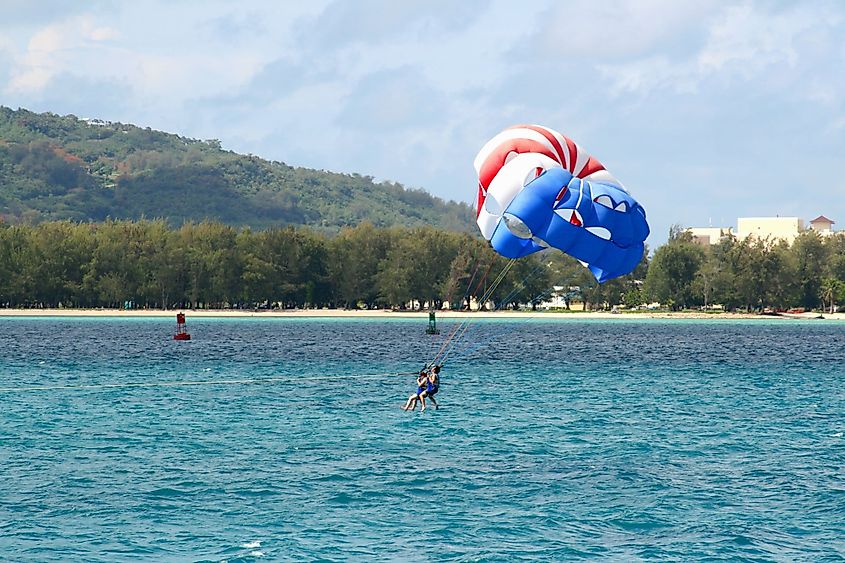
784,228
560,297
822,225
709,235
772,228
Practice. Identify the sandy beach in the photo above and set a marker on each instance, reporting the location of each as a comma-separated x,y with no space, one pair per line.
388,314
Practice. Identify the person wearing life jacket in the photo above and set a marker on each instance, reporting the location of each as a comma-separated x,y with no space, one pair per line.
432,385
422,380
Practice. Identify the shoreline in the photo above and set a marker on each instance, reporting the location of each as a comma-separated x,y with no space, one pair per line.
387,314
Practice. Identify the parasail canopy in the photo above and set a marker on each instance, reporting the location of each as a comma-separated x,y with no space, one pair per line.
539,189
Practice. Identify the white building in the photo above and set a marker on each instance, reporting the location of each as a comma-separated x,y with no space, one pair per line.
772,228
784,228
559,297
822,225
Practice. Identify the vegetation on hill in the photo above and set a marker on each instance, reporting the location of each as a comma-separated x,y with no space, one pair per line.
61,167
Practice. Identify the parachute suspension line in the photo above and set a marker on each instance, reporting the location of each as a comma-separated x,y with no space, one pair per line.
462,327
469,284
514,292
446,342
483,278
519,287
484,298
466,294
467,351
463,299
463,323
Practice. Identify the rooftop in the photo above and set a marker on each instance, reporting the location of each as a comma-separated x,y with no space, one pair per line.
822,219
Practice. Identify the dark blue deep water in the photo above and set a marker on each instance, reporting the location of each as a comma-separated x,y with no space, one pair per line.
564,440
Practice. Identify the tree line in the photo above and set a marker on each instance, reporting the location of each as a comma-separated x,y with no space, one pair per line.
751,274
214,265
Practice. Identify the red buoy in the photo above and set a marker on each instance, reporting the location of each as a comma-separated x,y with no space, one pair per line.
181,331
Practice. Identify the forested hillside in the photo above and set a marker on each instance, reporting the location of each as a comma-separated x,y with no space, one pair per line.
62,167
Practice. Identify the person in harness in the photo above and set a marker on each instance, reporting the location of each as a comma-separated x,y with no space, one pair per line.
432,385
422,385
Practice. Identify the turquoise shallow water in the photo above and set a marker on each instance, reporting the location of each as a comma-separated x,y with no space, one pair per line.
621,440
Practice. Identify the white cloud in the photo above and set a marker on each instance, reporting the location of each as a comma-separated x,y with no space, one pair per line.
617,29
375,21
52,50
748,40
652,73
26,13
189,74
103,34
743,42
33,71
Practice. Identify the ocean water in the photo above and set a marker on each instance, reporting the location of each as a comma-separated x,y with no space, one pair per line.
556,440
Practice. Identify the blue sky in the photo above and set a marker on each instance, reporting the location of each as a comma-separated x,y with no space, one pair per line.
705,110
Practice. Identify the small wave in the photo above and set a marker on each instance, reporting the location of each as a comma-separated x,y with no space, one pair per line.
252,544
257,553
166,492
838,435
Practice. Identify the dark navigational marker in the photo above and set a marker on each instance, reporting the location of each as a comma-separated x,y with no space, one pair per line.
432,324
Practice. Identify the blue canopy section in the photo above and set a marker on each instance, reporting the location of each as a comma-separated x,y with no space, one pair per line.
599,224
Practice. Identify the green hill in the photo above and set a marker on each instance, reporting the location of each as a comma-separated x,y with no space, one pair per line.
63,167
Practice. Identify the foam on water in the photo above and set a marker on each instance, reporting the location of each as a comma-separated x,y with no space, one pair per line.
619,440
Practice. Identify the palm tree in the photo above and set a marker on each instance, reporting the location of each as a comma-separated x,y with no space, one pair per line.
830,289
